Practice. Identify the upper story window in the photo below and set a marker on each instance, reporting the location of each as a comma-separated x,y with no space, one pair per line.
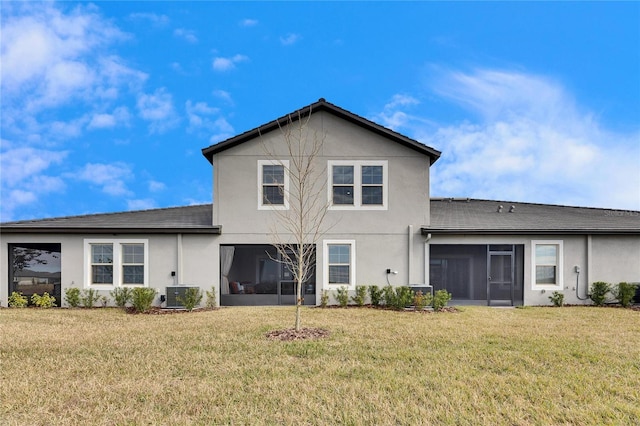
547,265
273,184
113,262
358,185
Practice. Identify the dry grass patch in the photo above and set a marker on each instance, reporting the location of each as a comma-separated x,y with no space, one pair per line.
479,366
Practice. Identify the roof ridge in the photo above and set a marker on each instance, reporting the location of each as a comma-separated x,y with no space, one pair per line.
463,199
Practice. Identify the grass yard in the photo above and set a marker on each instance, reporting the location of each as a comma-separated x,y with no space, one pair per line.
481,366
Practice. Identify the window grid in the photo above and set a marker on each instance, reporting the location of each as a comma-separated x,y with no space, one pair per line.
547,265
115,262
358,184
132,264
102,263
273,184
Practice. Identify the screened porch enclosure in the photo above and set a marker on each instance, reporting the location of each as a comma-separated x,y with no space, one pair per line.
479,274
253,274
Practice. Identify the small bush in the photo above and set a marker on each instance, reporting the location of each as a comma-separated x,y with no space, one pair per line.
17,300
557,298
324,298
104,301
599,291
44,301
191,299
361,295
397,298
342,296
211,302
89,297
440,299
421,301
142,298
375,294
625,292
121,296
72,297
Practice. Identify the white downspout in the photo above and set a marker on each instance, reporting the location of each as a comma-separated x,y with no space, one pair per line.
410,262
179,244
427,256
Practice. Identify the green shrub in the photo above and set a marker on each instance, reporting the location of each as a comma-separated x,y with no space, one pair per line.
211,302
440,299
142,298
191,299
17,300
398,297
375,294
121,296
72,297
324,298
420,300
44,301
104,301
557,298
89,297
625,292
342,296
599,291
360,296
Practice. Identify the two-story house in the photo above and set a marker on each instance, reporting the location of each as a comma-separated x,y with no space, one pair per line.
380,227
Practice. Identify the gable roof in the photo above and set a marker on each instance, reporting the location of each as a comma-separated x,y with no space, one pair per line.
472,216
183,220
321,105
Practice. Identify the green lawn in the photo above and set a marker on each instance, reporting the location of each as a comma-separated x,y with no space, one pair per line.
537,366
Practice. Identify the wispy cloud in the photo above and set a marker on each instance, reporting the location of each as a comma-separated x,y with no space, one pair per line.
120,116
221,63
188,35
157,108
290,39
154,18
248,22
207,121
111,178
531,142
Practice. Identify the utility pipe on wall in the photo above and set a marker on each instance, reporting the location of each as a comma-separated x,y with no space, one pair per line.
410,262
179,244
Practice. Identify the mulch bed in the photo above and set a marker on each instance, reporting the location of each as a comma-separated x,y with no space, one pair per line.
289,334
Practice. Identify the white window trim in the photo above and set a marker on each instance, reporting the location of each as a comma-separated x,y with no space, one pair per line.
117,262
357,184
559,285
285,164
352,266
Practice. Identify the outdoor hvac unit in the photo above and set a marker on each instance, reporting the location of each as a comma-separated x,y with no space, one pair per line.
173,293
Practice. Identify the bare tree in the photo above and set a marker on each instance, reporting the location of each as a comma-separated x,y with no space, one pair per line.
297,229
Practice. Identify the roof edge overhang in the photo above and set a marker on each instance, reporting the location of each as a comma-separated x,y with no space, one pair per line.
321,105
214,230
426,231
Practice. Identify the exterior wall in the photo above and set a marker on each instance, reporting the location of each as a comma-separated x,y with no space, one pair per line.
163,259
384,238
609,258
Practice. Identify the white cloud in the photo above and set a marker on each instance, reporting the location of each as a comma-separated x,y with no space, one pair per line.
141,204
157,108
120,116
155,186
531,143
188,35
154,18
226,64
224,95
110,177
248,22
206,120
290,39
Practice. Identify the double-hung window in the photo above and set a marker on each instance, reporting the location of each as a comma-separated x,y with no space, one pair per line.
116,262
358,185
273,184
339,259
546,259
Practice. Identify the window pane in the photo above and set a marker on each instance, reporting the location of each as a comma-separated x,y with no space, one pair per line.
343,195
273,195
371,195
133,274
546,254
102,253
133,253
273,174
546,275
338,274
340,253
372,175
102,274
342,175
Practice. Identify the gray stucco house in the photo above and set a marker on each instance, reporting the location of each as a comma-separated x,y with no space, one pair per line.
385,228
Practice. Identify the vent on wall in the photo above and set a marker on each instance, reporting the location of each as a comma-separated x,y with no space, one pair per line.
173,293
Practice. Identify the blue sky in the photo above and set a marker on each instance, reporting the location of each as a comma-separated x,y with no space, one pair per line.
106,106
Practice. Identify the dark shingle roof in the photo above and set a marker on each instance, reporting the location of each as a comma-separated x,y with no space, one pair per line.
322,105
471,216
187,220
